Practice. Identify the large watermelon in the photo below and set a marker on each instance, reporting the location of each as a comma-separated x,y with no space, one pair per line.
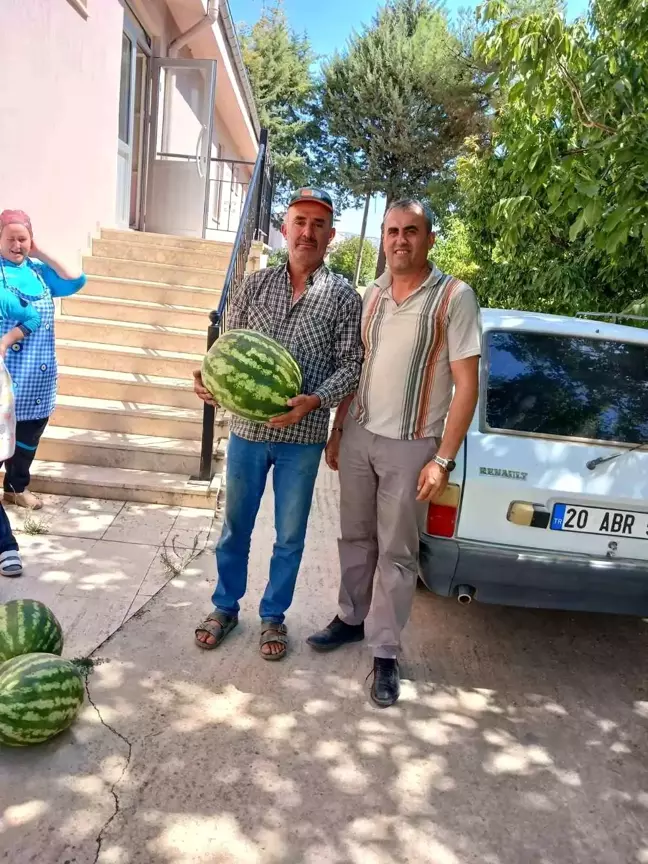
28,626
40,695
251,375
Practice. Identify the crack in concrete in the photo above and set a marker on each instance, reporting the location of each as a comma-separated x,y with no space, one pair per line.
113,789
88,671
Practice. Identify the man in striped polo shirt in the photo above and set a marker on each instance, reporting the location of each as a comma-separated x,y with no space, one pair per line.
396,438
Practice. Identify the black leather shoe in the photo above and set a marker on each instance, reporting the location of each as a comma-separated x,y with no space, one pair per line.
385,689
336,634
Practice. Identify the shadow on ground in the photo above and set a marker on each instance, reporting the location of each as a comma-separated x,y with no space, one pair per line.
520,737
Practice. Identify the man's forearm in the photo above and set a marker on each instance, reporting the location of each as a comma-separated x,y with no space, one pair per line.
462,409
342,382
343,410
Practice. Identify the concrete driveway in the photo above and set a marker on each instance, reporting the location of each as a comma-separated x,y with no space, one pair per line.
521,737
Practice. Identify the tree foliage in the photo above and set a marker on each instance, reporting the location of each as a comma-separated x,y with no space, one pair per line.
278,62
398,102
555,203
452,252
343,257
278,256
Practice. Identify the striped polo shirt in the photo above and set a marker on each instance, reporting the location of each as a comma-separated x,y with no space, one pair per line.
406,384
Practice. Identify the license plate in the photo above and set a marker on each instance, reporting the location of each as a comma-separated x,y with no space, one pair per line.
599,520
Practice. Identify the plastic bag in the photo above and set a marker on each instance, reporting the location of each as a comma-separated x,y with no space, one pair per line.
7,414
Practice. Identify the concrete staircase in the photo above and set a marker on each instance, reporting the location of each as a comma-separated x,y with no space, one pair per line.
127,425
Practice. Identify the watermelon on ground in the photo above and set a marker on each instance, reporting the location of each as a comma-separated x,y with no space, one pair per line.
40,695
26,627
251,375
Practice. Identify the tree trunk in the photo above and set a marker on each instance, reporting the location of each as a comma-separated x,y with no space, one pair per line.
363,231
380,265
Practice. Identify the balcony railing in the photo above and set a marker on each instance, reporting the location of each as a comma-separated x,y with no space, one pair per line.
229,185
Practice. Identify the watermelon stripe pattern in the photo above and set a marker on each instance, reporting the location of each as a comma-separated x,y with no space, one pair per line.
28,626
40,695
251,375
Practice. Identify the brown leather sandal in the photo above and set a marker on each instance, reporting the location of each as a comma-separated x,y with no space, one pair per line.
271,632
223,624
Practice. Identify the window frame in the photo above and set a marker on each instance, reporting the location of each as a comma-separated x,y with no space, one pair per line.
81,7
485,429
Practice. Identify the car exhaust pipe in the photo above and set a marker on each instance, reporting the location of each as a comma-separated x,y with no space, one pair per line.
465,594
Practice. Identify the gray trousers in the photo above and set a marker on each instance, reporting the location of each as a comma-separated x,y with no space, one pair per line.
380,521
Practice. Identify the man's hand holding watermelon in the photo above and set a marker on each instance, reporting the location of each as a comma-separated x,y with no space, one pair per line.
201,391
301,406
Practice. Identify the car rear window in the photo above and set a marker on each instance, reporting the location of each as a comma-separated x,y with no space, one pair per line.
567,386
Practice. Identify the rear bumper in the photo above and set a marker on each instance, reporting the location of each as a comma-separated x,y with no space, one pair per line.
515,576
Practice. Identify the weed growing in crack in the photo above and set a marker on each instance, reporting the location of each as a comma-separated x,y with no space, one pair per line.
35,525
176,561
86,665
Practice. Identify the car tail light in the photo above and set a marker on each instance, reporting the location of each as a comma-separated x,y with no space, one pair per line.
442,514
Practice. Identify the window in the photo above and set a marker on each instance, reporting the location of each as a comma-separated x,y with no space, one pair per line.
567,386
81,6
125,84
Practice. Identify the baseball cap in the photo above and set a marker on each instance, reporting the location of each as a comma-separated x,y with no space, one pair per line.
309,193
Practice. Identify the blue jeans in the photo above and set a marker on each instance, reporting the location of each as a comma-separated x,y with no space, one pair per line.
248,463
7,539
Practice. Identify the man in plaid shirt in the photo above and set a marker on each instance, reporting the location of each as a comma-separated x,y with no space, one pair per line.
316,316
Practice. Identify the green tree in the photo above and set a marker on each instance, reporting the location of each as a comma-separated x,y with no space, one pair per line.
343,256
278,256
453,253
278,62
555,202
398,102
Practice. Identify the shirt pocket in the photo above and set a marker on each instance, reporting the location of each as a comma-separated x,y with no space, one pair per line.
262,319
315,337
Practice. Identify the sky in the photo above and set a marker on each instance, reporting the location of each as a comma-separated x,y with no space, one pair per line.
328,24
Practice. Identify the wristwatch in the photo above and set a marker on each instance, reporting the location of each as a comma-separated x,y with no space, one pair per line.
448,465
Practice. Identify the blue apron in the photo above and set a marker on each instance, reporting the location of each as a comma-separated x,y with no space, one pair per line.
32,361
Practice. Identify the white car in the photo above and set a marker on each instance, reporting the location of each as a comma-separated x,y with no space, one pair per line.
548,503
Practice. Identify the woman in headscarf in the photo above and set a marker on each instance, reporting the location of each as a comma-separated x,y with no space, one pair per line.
28,286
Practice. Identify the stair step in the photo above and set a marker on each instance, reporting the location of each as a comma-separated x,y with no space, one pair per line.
137,418
123,484
127,386
154,292
119,450
148,253
136,311
129,333
171,241
194,277
126,358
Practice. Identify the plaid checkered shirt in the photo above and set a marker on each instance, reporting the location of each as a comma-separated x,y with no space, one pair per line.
322,332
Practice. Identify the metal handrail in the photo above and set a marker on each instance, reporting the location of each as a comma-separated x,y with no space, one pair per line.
242,239
249,228
189,156
231,161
